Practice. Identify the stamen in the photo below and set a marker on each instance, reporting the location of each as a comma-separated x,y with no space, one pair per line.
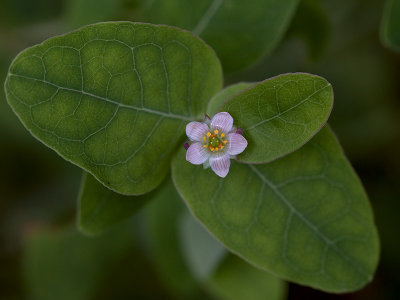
208,134
216,131
222,134
216,149
204,138
205,146
211,148
225,142
222,147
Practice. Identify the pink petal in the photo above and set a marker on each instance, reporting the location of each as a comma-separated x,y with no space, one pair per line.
196,130
197,154
220,164
223,121
236,143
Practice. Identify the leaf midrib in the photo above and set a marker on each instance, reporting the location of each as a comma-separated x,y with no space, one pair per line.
293,210
289,109
143,109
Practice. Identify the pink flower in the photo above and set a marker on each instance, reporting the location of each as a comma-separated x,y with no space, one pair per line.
214,143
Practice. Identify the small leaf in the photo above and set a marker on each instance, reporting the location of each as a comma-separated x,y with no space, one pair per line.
224,95
257,28
100,208
390,29
203,252
304,217
280,114
114,98
235,279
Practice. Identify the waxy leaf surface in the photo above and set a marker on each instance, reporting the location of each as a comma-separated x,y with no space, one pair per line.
114,98
304,217
100,208
280,114
241,32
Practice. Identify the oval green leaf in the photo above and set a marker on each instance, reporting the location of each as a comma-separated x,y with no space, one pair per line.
304,217
114,98
100,208
241,32
280,114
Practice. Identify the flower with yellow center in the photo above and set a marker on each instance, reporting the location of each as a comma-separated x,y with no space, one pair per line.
214,143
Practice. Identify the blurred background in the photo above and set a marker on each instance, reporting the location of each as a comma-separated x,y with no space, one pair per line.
42,256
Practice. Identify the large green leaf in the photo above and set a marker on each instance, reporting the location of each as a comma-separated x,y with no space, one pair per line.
235,279
304,217
280,114
241,32
113,98
390,29
100,208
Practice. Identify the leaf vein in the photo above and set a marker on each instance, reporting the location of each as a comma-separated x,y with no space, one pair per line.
143,109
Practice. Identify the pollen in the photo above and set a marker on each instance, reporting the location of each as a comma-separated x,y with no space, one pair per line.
212,148
205,146
208,134
216,131
225,142
204,138
222,147
222,134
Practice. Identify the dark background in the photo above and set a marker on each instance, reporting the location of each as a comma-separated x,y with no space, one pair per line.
38,189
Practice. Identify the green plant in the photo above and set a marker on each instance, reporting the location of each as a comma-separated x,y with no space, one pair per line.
114,99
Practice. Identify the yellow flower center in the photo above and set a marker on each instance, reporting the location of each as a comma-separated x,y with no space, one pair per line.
215,141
